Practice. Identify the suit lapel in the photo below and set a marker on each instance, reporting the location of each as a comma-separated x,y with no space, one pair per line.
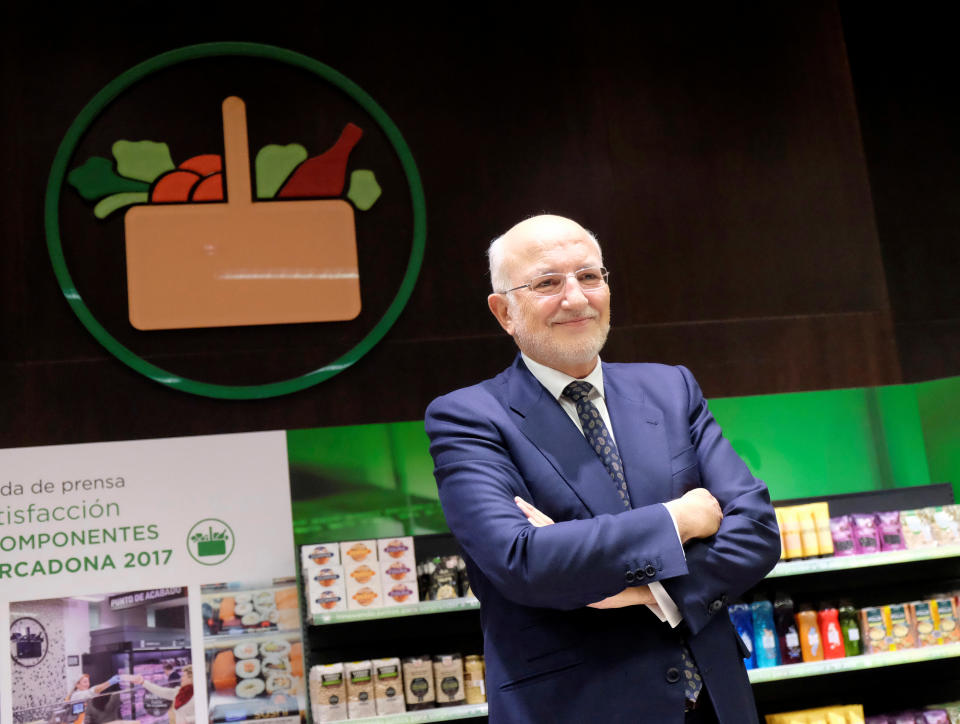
547,426
641,440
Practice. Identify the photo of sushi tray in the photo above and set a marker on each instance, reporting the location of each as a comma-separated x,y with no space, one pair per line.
230,611
254,652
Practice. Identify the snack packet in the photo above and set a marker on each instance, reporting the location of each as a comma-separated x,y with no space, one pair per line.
841,530
891,534
865,537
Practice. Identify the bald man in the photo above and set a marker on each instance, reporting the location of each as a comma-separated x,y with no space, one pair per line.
606,522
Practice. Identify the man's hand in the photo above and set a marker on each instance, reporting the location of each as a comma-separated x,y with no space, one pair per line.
535,517
697,513
633,596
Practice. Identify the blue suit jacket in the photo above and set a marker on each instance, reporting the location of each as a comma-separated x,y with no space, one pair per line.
548,657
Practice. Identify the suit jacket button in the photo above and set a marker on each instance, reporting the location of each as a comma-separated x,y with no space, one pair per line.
639,573
650,571
629,577
715,606
673,675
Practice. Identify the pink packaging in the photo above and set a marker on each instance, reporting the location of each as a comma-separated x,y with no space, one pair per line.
842,533
936,716
890,533
865,537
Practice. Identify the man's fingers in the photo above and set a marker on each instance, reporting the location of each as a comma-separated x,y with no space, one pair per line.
537,518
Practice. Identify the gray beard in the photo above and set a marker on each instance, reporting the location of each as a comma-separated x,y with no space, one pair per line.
545,350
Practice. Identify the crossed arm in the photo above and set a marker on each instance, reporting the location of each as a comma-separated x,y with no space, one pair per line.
697,515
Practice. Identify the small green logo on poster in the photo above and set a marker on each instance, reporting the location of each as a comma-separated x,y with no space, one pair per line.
210,541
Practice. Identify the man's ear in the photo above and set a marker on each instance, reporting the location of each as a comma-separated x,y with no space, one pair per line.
501,310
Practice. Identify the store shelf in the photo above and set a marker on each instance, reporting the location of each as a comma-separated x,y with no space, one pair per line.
414,609
866,560
449,713
854,663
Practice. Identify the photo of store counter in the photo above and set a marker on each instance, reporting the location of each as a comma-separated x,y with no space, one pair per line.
102,658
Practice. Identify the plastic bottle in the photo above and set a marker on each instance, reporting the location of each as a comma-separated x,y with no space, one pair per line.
830,634
851,629
810,643
808,531
742,619
788,636
821,517
792,543
764,634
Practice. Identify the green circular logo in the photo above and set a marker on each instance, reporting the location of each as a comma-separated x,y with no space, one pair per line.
210,541
164,62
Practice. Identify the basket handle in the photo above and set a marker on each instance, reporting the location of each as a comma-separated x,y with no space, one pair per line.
236,152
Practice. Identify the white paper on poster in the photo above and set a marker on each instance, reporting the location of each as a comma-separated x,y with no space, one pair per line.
143,514
147,519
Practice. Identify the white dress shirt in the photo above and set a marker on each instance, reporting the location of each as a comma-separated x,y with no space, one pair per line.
555,382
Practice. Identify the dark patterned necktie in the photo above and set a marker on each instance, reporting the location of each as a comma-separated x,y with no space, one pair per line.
598,436
603,445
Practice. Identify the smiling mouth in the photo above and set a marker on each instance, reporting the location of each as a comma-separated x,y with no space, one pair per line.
573,322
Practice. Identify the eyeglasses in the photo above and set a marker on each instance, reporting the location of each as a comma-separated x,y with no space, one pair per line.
591,279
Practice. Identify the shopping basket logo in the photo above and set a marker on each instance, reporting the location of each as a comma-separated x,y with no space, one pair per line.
201,255
317,233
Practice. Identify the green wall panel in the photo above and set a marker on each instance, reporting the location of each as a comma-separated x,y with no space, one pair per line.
377,480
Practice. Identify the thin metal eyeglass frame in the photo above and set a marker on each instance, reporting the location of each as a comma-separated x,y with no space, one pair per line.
604,272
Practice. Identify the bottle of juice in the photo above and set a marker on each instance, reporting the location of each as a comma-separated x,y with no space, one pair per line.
830,633
850,629
810,643
788,635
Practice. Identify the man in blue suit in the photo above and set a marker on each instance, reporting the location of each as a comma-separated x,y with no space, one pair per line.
606,522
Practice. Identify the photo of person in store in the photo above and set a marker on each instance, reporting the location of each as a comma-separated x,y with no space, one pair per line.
88,650
82,691
181,696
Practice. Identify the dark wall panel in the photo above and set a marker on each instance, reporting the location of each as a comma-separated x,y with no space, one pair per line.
717,157
904,68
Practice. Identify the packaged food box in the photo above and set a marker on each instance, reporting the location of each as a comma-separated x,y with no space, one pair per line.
328,693
355,552
363,573
448,679
388,686
946,528
917,527
360,697
949,620
475,689
927,622
364,595
418,685
397,549
320,554
321,577
397,570
327,599
902,634
400,593
875,630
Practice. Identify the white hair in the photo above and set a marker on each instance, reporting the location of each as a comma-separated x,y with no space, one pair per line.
496,255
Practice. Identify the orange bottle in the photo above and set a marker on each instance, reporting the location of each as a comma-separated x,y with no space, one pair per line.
811,645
